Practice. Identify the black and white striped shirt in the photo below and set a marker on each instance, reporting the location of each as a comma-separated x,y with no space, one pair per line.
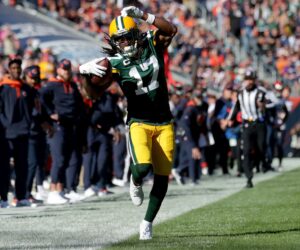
247,103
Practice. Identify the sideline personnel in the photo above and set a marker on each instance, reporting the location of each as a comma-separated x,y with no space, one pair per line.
64,104
17,101
252,104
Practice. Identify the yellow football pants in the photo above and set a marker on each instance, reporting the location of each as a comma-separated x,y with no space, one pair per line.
152,144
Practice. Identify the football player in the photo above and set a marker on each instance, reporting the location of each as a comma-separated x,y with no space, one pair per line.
138,66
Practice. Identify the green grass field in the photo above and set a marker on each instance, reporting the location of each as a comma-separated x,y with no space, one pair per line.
265,217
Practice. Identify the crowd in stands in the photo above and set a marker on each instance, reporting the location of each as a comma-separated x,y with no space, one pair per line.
215,72
268,29
275,41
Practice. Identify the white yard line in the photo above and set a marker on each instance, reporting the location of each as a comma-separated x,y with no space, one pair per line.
101,222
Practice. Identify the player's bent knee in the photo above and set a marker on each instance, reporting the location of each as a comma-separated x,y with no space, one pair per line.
139,171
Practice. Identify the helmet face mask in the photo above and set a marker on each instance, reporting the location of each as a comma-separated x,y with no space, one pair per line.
127,43
124,35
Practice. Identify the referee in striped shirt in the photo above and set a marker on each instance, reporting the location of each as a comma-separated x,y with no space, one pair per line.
252,104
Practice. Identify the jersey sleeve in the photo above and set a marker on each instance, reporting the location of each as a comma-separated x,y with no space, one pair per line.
115,61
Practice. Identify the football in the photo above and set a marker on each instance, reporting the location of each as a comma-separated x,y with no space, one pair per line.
95,86
107,78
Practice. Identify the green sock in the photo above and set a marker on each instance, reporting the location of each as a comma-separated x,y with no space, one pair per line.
139,171
157,195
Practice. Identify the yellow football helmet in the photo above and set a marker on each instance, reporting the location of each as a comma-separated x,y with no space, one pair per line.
124,35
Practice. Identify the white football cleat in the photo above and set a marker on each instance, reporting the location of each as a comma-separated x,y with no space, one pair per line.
54,198
145,230
41,195
74,197
90,192
136,193
118,182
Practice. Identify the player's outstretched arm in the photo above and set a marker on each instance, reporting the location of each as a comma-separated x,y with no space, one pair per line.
166,30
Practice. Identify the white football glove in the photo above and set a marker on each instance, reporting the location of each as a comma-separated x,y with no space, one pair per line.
132,11
92,67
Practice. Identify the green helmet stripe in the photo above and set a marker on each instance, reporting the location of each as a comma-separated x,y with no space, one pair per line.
120,23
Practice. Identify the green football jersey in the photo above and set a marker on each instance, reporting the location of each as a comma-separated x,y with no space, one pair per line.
144,84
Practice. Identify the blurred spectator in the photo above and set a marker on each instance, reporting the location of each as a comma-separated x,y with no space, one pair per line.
64,106
37,146
47,64
10,44
104,120
192,125
17,103
295,141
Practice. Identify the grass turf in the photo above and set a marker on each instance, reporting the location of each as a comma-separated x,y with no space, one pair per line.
265,217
